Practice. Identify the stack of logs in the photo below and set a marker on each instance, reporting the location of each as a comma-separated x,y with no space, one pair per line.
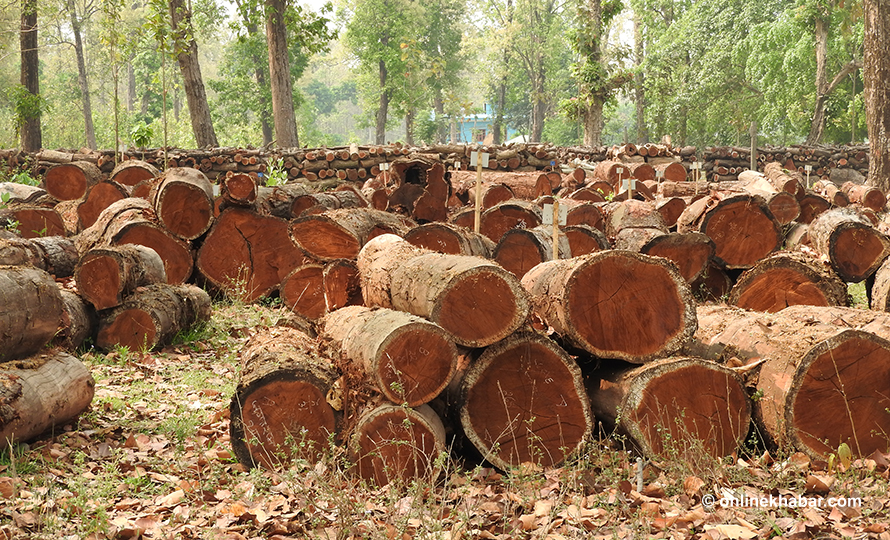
410,327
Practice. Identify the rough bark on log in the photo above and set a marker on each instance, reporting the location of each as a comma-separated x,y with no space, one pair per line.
781,180
183,201
524,185
42,393
247,255
105,275
397,443
278,201
32,311
21,193
409,360
78,321
54,254
69,181
523,401
634,238
133,221
342,285
671,209
317,203
473,299
674,407
32,221
152,316
853,246
787,279
450,239
98,198
133,171
340,234
239,189
809,369
867,196
282,407
632,214
520,250
742,227
615,304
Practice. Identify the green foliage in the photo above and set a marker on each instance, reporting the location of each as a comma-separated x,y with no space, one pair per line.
25,105
141,134
276,173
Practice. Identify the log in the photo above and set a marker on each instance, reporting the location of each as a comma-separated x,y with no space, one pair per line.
32,311
713,285
868,196
42,393
512,214
523,401
342,285
247,255
70,181
340,234
281,409
316,203
278,201
32,221
853,246
520,250
450,239
811,206
152,316
78,321
302,291
183,201
588,194
99,197
880,291
632,214
105,275
671,171
663,411
781,180
742,227
830,192
20,193
394,443
476,301
671,209
54,254
634,238
584,239
808,369
239,189
787,279
584,213
133,171
407,359
133,221
615,304
691,252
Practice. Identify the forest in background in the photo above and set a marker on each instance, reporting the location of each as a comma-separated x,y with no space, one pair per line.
698,71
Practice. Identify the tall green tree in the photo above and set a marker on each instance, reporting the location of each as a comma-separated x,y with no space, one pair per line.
375,33
77,30
186,50
28,101
279,74
877,90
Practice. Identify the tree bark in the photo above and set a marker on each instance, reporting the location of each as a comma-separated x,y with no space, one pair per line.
383,103
183,201
877,90
42,392
89,130
106,275
30,132
54,254
340,234
279,72
187,55
853,246
32,311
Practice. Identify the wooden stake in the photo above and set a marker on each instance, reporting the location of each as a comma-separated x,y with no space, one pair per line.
479,159
808,168
555,228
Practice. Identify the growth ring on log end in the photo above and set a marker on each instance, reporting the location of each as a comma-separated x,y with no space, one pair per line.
615,304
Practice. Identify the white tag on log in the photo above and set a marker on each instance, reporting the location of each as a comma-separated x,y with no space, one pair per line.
808,168
384,166
479,158
696,165
659,174
630,183
620,170
547,214
216,190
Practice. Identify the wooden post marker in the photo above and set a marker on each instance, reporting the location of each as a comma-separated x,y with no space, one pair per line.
479,159
555,214
809,169
384,168
696,166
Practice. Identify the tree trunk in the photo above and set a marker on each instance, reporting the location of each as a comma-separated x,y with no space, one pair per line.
340,234
183,201
31,135
247,255
853,246
78,321
662,409
397,443
131,85
409,126
615,304
279,72
439,108
810,368
54,254
106,275
639,81
877,90
818,120
383,103
187,55
282,407
152,316
523,401
407,359
476,301
89,131
32,311
41,393
593,123
133,221
788,279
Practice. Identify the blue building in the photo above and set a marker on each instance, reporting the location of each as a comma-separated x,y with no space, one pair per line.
476,128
